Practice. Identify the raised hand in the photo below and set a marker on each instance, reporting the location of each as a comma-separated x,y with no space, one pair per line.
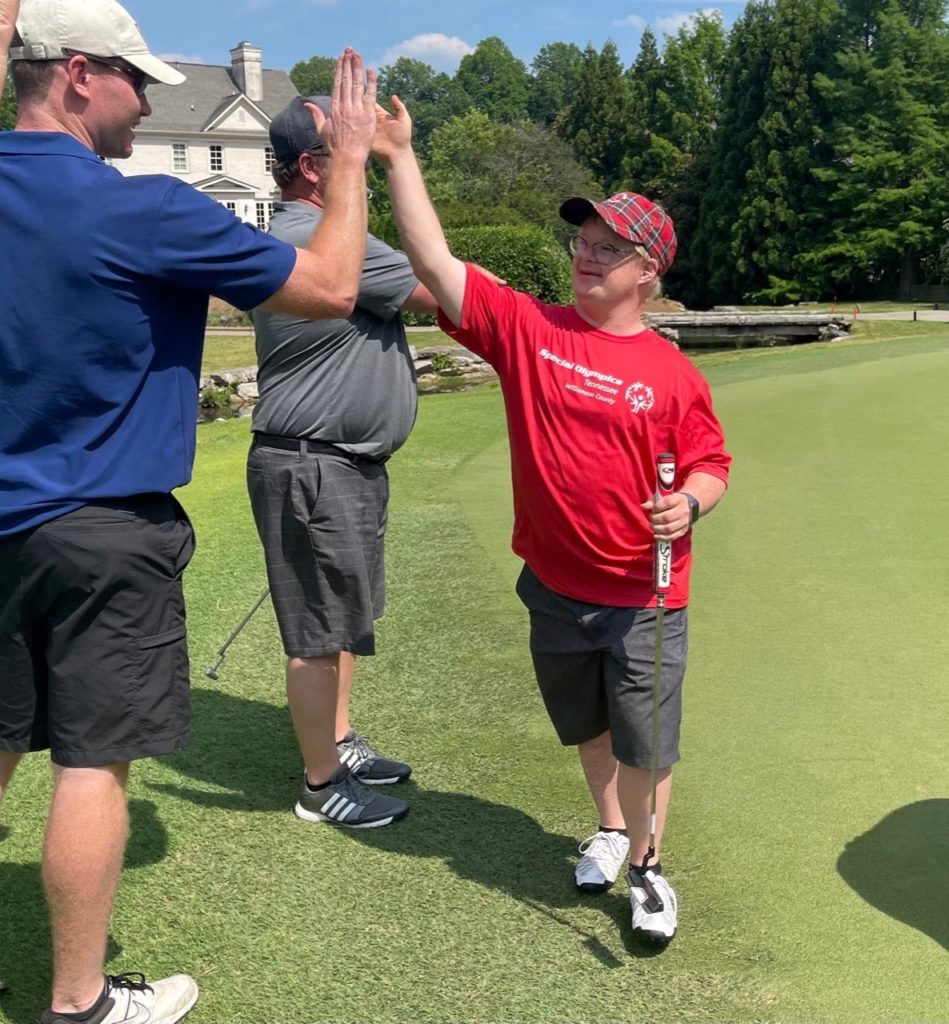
351,124
9,9
393,131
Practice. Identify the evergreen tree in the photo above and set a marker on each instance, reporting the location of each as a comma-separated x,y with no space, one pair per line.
688,110
712,252
495,81
784,204
651,159
596,124
888,92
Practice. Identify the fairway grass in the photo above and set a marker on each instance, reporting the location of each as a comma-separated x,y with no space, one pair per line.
810,822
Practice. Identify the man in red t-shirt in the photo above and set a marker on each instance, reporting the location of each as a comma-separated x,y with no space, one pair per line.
592,397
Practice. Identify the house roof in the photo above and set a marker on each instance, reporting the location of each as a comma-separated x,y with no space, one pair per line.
209,89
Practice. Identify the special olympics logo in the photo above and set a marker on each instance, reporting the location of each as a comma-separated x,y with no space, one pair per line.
640,397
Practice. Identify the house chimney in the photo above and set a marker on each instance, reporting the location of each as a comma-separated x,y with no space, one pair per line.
246,70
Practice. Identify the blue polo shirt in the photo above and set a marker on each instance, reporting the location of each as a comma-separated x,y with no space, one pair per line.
104,285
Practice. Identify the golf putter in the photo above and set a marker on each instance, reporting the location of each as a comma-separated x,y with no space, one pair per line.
665,484
212,670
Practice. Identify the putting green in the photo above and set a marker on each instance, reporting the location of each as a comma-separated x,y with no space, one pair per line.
810,824
808,837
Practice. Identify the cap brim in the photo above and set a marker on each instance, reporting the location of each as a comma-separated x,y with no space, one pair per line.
156,69
577,209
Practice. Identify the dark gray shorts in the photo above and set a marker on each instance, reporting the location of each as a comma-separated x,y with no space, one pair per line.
595,669
93,654
321,518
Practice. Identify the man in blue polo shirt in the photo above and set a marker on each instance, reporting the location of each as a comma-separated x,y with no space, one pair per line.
105,285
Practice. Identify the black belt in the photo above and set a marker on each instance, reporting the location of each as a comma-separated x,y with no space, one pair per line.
306,446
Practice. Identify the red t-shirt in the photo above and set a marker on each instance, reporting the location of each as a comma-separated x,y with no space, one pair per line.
588,412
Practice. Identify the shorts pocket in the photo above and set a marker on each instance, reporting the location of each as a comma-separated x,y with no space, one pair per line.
162,701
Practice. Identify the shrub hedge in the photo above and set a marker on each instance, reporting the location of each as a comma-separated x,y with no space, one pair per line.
528,258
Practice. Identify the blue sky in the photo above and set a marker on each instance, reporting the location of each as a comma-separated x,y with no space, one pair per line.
439,32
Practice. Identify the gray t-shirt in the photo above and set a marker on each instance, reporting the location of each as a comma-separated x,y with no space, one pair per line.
346,382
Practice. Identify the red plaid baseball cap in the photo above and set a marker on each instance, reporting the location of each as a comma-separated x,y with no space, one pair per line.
634,217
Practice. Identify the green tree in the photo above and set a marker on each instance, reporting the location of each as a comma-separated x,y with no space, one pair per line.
784,203
556,76
494,79
693,64
687,108
432,98
8,107
650,159
481,172
888,92
314,77
596,124
712,253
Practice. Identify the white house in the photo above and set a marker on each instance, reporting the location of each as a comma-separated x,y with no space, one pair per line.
211,131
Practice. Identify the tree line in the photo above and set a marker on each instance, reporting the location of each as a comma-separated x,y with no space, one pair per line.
804,153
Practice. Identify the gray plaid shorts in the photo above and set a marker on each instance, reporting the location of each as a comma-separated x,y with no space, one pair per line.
321,518
595,666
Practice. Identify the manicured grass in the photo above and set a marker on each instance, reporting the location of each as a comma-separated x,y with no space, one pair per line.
229,351
810,820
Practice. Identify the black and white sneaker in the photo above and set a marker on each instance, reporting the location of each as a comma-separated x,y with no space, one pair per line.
368,765
653,903
130,999
346,802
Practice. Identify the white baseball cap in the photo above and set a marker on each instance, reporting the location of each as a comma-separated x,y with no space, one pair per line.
57,29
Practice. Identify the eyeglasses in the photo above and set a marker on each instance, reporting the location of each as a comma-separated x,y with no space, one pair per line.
600,252
140,81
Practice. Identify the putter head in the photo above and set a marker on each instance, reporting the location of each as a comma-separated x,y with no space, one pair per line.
211,673
652,904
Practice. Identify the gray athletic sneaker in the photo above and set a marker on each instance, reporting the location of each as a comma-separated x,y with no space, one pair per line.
345,801
132,1000
368,765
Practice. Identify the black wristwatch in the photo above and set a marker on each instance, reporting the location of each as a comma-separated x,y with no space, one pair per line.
693,507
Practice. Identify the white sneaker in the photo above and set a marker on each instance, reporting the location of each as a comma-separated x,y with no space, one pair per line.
654,905
604,854
132,1000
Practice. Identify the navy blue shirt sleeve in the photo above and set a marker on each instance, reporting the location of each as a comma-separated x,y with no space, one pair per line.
199,244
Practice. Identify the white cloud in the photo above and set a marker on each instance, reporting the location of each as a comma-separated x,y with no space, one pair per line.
672,24
630,21
441,51
181,58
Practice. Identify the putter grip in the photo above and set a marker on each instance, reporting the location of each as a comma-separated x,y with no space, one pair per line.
665,484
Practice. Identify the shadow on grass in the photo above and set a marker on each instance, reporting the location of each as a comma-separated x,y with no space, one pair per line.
502,848
899,867
245,749
24,926
247,752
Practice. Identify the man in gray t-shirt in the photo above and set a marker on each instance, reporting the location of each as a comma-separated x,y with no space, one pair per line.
337,398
